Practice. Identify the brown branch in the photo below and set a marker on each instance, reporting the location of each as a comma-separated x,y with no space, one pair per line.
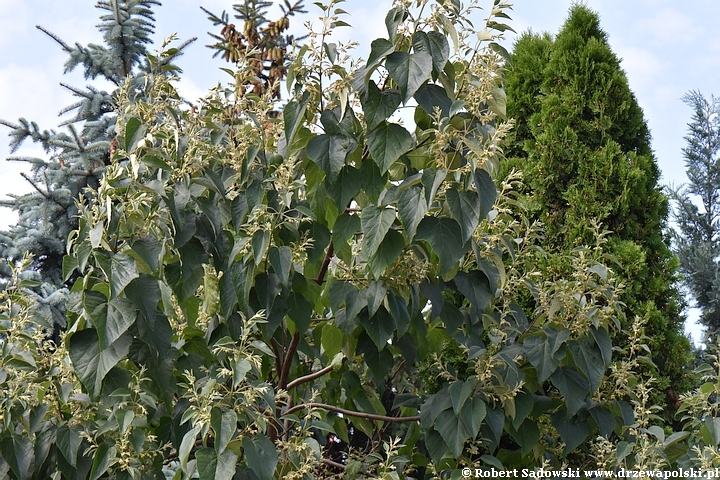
287,361
286,422
276,350
329,462
402,364
351,413
311,376
26,177
324,268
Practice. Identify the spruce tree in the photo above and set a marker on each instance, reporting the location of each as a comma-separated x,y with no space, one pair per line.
79,151
697,238
585,148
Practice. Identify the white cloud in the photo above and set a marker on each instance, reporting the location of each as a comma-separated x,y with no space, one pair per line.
14,18
641,65
668,27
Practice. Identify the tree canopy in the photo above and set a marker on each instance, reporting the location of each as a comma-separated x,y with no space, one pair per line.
318,287
698,227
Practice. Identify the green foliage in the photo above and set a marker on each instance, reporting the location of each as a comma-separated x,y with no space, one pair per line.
582,140
78,154
240,304
696,238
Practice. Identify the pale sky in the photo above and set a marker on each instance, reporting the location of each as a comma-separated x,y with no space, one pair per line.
668,48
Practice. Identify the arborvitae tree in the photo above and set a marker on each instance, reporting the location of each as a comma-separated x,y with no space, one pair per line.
697,240
530,56
586,150
79,152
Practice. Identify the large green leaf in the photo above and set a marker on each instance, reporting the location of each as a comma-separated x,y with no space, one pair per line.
187,445
376,293
434,43
572,430
346,226
437,448
122,270
260,242
430,96
92,364
605,419
556,339
412,208
375,223
332,339
465,208
17,450
329,152
224,425
445,238
281,261
292,116
431,180
242,274
459,392
573,386
68,442
145,293
346,186
149,249
432,407
524,403
387,142
379,49
409,70
453,430
379,327
539,353
338,122
388,250
134,132
103,459
526,436
589,360
373,180
378,104
158,335
476,288
299,311
602,340
121,314
487,190
261,455
211,466
393,19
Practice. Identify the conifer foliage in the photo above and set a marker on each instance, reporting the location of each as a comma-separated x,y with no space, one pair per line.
697,239
80,150
585,146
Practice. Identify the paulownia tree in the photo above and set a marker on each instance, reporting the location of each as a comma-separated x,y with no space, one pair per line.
252,288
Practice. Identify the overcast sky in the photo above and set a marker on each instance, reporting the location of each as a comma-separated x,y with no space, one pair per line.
668,48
